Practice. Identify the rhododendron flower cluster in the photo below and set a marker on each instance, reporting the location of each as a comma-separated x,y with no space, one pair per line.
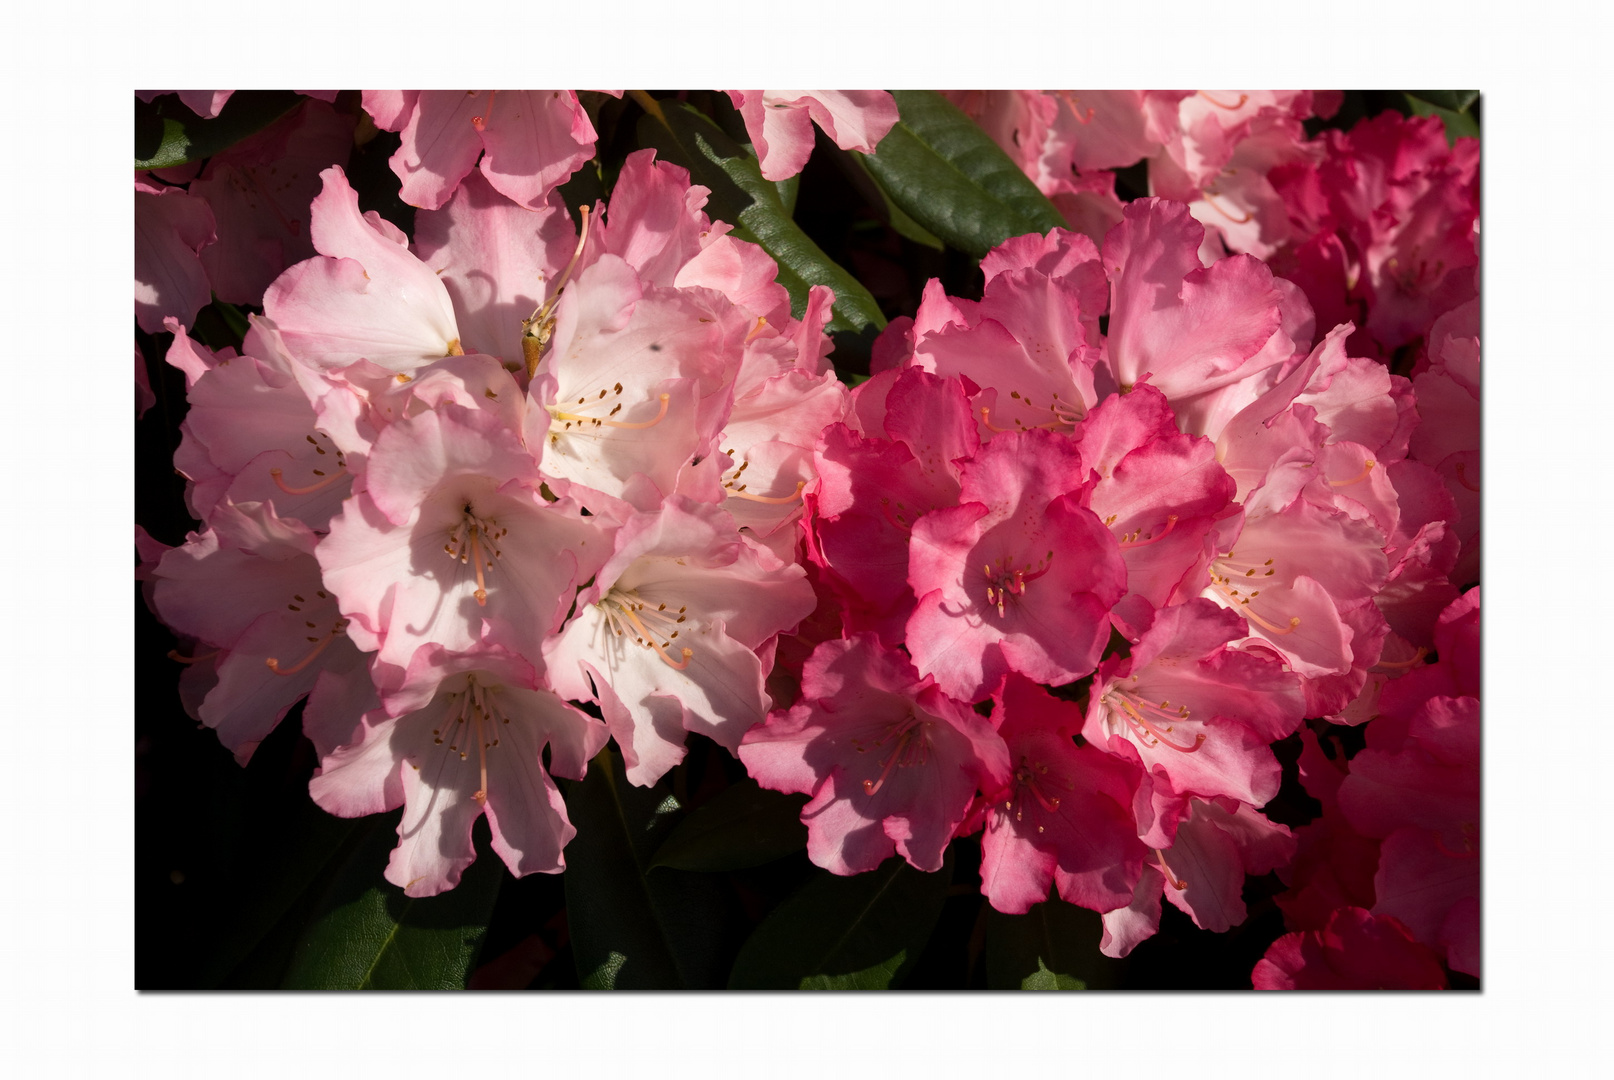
537,477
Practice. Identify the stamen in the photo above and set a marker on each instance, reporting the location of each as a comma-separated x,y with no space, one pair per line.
986,418
776,500
337,629
1210,197
1239,104
535,331
1175,882
755,330
1416,659
173,654
481,593
275,472
1245,610
480,123
1171,523
1462,479
481,793
1146,730
1367,467
1070,100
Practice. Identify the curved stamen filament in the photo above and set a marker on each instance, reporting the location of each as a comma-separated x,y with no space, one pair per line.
1237,219
1171,523
1462,478
986,418
740,493
337,629
755,330
1367,467
1417,658
912,748
1245,610
311,488
1175,882
481,593
173,654
1239,104
650,639
535,331
602,422
1147,731
1070,100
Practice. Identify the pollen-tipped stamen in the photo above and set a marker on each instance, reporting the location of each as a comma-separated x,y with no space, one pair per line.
1171,523
1210,197
1172,879
173,654
1147,730
535,331
481,592
337,629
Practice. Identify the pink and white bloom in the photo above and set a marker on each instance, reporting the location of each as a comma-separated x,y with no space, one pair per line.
780,123
467,739
671,636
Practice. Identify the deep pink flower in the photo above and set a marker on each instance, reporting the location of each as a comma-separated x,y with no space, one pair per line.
1197,712
1020,576
892,763
1355,951
1066,816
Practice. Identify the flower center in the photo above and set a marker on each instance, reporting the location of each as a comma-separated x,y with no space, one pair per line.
475,542
1029,778
1149,723
1004,580
655,628
470,714
1228,570
911,737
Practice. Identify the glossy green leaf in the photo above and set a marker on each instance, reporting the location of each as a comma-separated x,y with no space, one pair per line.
1454,100
367,935
631,929
167,133
1458,124
949,177
1054,946
845,933
745,825
741,197
900,221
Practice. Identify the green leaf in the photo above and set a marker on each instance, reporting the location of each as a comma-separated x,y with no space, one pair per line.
901,222
1054,946
367,935
947,175
745,825
1458,124
845,933
630,929
167,133
741,197
1452,100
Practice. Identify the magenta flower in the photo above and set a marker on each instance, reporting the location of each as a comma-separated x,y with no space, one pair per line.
891,762
1020,576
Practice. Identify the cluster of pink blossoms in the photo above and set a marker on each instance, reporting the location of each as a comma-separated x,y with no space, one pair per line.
1060,572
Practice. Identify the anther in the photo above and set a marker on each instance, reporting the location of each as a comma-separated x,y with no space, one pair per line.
337,630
